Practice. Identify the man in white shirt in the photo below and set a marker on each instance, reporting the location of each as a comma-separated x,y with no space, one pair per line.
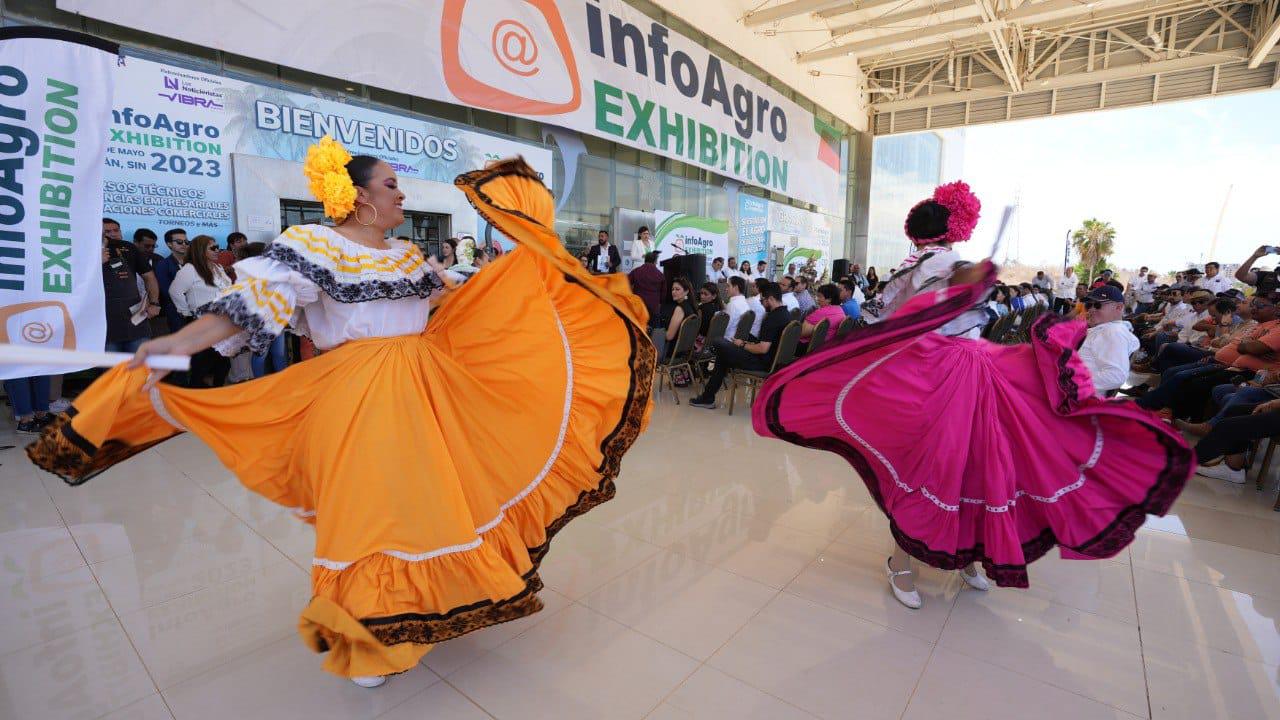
1166,326
1144,293
1199,300
718,273
737,304
732,269
1109,343
789,298
1042,283
1213,280
755,305
1064,291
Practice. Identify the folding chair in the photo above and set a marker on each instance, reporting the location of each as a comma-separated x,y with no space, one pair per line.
753,379
715,331
819,336
845,327
681,355
745,321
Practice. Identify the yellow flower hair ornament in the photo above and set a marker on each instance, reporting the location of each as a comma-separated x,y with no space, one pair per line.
326,171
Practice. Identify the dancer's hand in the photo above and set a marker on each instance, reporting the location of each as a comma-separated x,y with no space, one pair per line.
167,345
971,274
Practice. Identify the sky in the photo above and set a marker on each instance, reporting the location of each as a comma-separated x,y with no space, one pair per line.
1158,174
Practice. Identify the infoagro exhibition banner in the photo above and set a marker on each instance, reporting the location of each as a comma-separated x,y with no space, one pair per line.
677,233
55,102
596,66
173,130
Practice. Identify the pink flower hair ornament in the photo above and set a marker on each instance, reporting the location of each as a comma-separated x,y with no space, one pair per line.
948,217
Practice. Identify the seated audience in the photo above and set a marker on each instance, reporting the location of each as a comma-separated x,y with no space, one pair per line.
737,305
1230,439
787,285
748,355
804,298
671,315
1185,389
708,305
848,299
828,308
755,304
1109,343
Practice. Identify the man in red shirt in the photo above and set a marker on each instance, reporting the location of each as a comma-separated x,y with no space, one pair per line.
647,282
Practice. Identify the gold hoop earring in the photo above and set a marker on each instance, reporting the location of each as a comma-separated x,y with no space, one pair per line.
375,214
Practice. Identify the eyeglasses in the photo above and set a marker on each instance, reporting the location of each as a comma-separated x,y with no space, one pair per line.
1095,304
178,242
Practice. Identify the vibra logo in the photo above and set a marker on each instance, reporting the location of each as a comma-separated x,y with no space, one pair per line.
45,323
514,57
171,83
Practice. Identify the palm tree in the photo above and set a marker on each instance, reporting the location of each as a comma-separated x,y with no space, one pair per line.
1094,241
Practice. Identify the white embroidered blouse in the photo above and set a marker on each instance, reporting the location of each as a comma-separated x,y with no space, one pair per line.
328,288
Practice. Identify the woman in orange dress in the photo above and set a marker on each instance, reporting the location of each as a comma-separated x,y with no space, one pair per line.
423,531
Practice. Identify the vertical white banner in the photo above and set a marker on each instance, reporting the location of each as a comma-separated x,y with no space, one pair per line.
55,109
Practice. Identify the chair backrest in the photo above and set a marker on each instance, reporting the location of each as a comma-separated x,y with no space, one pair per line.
723,288
819,336
796,314
685,338
787,344
719,323
845,327
745,321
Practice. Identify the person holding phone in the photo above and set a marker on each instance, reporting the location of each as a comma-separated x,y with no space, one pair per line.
1264,280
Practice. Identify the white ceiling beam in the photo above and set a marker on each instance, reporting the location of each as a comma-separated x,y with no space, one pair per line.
846,8
1066,81
1094,16
974,27
1001,44
1127,39
1051,59
902,17
788,10
928,78
986,62
1266,42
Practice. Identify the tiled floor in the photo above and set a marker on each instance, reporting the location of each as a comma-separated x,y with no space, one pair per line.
733,577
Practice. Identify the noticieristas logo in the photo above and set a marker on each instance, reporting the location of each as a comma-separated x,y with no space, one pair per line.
513,57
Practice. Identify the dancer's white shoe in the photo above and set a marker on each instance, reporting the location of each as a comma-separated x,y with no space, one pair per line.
910,598
369,681
977,580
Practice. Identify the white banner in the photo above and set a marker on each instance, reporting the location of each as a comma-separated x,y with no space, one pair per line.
596,66
802,235
55,106
677,233
173,132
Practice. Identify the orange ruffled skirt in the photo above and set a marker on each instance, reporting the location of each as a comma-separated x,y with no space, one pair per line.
436,467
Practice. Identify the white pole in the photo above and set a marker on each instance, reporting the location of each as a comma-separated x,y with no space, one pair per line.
29,355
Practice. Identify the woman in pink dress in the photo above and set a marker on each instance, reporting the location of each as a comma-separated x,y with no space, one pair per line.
920,415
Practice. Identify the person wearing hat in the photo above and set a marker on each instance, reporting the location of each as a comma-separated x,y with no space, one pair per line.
1109,343
1166,327
1191,278
1144,289
1214,281
1185,389
1212,314
1104,278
